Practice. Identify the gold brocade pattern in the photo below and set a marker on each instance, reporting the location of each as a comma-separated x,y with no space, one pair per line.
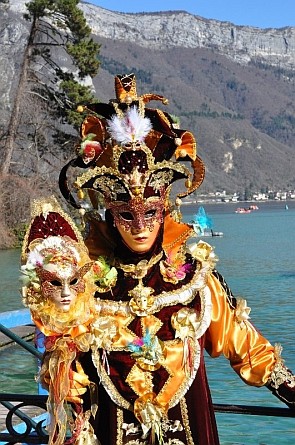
185,420
120,418
180,357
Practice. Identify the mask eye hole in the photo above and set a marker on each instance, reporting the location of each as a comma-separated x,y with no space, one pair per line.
55,283
128,145
150,213
74,281
127,216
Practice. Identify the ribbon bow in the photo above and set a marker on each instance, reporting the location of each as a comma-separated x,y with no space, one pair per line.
186,324
104,331
150,414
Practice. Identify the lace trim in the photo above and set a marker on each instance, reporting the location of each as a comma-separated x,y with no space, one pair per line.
170,442
280,374
205,321
184,387
184,295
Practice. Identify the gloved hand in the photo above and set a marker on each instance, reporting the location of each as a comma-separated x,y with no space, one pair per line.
282,381
79,383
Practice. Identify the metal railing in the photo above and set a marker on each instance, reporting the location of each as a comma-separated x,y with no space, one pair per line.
33,429
21,427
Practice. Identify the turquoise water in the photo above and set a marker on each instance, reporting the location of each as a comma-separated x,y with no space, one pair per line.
257,258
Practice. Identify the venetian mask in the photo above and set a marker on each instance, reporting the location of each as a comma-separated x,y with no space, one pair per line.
61,283
56,267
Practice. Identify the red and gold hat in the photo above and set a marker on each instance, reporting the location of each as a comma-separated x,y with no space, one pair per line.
132,155
132,152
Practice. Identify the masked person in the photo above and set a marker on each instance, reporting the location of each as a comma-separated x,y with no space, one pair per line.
58,288
164,303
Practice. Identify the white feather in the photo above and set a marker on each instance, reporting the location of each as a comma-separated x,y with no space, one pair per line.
132,127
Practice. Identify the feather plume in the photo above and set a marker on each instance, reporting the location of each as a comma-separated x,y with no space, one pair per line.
131,128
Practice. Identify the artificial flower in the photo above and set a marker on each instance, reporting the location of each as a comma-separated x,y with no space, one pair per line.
104,331
242,311
174,270
148,349
90,149
104,274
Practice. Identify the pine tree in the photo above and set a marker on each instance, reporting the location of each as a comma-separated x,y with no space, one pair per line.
58,28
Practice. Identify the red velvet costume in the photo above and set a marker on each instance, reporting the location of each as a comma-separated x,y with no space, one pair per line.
191,419
163,307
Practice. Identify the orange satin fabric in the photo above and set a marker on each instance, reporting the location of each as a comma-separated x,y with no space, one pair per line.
70,332
250,354
175,234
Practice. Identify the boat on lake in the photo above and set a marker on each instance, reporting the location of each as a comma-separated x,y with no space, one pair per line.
203,225
243,210
246,209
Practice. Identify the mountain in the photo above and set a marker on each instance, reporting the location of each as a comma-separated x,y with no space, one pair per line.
232,86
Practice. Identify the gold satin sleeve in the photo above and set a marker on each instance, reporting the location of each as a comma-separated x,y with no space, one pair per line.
249,353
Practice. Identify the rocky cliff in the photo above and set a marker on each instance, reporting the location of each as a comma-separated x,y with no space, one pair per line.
179,29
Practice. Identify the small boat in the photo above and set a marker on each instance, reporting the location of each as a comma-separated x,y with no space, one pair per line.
213,233
243,210
247,209
202,224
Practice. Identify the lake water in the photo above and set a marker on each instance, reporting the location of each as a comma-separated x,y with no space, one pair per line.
257,258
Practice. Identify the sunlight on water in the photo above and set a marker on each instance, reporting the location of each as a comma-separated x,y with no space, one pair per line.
257,258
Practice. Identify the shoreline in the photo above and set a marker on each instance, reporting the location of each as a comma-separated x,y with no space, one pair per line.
237,203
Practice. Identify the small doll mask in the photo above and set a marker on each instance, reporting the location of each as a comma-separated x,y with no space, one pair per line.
62,281
55,275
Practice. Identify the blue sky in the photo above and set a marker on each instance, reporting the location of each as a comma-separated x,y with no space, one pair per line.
260,13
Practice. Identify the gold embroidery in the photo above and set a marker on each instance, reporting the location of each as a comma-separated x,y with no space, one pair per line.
160,178
140,379
185,419
43,206
119,440
139,270
183,295
136,442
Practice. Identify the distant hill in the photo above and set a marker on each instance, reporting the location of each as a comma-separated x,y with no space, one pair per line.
232,86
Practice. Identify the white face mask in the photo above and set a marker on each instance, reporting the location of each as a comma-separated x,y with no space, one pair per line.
61,283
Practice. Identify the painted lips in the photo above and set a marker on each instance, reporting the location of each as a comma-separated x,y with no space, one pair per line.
140,239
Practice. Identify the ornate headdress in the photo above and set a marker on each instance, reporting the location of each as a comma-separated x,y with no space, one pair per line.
131,153
54,254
